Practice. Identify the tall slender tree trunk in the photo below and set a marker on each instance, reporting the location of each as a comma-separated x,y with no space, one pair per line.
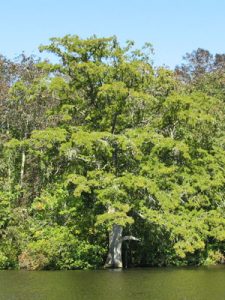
22,167
9,171
114,258
23,159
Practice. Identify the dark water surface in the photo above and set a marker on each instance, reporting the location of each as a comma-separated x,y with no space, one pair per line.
206,283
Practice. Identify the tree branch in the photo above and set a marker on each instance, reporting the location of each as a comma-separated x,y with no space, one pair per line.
139,215
130,238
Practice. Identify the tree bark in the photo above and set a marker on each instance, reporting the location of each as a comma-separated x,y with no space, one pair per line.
9,171
114,258
22,167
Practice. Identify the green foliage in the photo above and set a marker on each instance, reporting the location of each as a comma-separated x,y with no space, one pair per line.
56,248
102,138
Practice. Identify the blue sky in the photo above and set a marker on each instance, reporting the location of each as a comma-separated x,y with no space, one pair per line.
174,27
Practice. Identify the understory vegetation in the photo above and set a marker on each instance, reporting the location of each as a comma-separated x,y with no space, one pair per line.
103,138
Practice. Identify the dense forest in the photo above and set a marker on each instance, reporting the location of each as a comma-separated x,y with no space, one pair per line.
107,160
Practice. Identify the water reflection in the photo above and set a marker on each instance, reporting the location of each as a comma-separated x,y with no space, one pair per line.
151,284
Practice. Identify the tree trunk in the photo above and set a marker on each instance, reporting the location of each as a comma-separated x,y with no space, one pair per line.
114,258
22,167
9,171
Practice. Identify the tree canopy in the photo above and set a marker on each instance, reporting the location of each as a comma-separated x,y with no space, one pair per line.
103,141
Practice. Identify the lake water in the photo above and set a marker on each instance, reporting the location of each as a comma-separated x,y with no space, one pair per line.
205,283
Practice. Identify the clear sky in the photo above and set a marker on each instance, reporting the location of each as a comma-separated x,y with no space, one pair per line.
174,27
